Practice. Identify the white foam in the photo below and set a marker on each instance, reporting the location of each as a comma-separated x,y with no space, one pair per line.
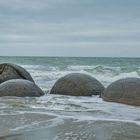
46,76
80,67
107,79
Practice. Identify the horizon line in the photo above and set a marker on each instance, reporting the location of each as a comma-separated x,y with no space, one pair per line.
71,56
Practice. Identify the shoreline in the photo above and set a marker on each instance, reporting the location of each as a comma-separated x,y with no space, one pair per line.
73,129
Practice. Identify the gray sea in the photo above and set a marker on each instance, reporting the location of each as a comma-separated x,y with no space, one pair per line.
59,117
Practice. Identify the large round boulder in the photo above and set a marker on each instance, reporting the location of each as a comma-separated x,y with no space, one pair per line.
20,88
125,91
11,71
77,84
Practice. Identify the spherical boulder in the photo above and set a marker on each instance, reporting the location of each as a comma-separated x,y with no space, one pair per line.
20,88
77,84
125,91
11,71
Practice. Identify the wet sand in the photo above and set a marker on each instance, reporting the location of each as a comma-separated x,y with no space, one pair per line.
56,117
47,127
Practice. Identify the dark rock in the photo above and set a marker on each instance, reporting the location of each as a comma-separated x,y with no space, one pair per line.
125,91
12,71
77,84
20,88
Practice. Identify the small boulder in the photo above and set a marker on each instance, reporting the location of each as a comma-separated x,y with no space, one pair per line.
125,91
12,71
20,88
77,84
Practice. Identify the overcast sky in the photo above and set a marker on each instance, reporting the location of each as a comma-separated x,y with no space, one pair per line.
104,28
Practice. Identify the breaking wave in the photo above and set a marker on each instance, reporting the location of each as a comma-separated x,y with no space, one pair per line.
46,76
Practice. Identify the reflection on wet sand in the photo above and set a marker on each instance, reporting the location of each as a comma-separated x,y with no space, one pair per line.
70,129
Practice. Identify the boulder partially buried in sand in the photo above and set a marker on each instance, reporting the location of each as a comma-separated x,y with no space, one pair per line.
12,71
77,84
125,91
20,88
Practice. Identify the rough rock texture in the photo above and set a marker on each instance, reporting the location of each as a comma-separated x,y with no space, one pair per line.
125,91
20,88
77,84
12,71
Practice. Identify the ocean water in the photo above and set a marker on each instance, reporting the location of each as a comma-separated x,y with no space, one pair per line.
59,117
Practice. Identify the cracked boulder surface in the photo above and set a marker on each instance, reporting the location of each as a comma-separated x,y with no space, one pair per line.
10,71
125,91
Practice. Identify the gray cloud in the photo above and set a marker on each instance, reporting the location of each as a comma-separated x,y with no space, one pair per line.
70,28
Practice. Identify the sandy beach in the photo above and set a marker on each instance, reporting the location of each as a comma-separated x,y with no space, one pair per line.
70,129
